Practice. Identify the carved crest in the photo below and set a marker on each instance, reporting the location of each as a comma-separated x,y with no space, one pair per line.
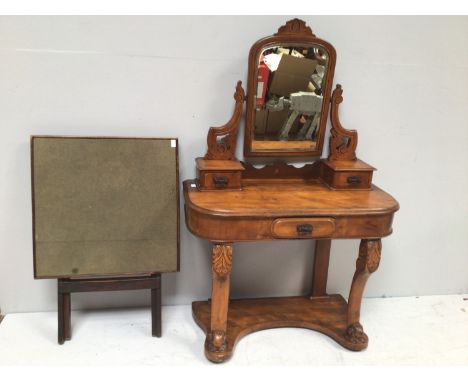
295,26
222,260
343,142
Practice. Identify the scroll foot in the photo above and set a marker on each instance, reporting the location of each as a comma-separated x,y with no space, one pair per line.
355,334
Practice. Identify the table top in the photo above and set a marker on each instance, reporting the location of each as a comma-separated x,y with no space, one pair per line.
288,198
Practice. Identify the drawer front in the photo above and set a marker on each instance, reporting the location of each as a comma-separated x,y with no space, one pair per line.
358,179
220,180
346,179
303,228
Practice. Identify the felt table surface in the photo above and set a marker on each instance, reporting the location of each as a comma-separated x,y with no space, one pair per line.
104,206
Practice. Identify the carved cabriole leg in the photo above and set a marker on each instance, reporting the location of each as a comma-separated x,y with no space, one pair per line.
221,272
367,263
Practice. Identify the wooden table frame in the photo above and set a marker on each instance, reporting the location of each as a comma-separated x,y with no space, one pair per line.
67,286
215,215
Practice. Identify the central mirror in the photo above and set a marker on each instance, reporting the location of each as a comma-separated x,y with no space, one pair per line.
289,97
290,77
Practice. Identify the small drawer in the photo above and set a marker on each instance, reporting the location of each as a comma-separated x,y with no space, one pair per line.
347,175
220,180
302,228
350,179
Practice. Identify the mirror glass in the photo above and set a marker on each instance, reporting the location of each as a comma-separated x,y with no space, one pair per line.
289,97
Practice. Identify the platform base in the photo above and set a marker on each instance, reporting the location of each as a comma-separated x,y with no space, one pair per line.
327,314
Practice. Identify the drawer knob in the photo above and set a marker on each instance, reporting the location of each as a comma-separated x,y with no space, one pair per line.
304,229
221,181
353,179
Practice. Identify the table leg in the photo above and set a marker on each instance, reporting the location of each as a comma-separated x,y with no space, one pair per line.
221,272
367,263
320,272
66,316
156,310
60,315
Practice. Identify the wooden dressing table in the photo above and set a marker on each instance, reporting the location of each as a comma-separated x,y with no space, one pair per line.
232,201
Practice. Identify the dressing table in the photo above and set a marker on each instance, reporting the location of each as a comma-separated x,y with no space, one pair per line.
289,99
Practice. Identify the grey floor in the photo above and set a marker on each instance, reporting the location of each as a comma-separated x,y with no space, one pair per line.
431,330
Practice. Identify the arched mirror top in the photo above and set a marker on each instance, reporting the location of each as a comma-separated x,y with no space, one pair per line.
289,87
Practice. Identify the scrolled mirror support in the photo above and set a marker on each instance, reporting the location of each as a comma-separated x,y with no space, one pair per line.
343,142
222,140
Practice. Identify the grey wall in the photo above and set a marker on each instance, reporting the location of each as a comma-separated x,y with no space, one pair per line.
405,83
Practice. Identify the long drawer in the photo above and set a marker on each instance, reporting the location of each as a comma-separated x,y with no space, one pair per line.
302,228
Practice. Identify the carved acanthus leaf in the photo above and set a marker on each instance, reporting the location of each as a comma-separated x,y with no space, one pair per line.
295,26
369,255
222,260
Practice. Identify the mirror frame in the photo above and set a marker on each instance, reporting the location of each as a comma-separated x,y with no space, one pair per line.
293,32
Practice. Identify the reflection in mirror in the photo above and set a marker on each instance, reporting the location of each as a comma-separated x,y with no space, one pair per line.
289,98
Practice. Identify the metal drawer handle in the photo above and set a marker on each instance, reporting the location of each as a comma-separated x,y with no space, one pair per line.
353,179
304,229
221,181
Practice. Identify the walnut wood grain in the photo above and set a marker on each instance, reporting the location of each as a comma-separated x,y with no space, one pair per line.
323,314
220,180
290,228
293,199
221,260
218,175
218,164
350,174
348,180
221,228
348,165
367,263
249,214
